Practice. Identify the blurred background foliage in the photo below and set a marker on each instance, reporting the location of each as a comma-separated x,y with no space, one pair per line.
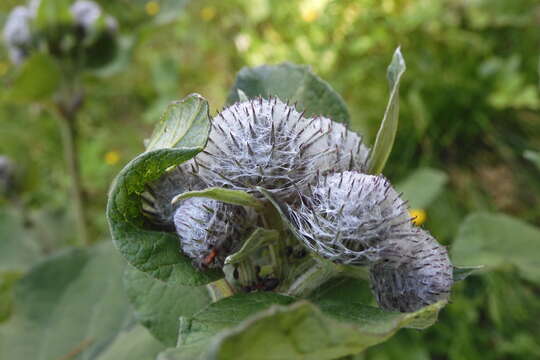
470,113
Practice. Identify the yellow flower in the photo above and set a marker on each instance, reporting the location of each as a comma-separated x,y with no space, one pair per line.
112,157
309,15
419,216
152,8
3,68
208,13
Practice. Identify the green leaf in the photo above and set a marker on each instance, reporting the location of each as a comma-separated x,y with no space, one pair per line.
302,331
71,303
134,344
152,251
185,123
18,249
497,241
293,83
533,156
52,13
158,305
18,252
422,187
235,197
254,242
37,79
461,273
387,131
225,313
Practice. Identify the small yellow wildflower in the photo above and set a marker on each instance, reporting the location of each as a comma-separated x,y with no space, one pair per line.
3,68
208,13
419,216
152,8
112,157
310,15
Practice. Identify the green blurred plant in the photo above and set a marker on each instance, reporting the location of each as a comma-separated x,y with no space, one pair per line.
53,43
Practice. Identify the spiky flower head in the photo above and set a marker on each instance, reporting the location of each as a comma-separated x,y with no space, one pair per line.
17,33
209,230
412,272
156,200
22,36
347,217
267,143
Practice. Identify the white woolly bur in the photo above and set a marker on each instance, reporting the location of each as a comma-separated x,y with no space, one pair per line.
86,13
209,230
346,217
412,272
17,34
156,200
268,143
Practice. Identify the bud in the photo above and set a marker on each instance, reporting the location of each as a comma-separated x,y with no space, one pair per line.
209,230
346,217
412,272
270,144
17,34
156,200
86,13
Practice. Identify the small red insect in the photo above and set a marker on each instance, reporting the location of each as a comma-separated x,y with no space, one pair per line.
210,257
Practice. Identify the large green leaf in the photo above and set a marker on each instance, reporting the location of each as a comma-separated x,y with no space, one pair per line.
293,83
498,240
158,305
37,79
154,251
18,252
422,187
18,249
185,123
388,129
71,304
134,344
226,313
302,331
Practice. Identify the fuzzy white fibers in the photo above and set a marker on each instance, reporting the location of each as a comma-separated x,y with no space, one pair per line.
17,34
411,273
209,230
267,143
346,217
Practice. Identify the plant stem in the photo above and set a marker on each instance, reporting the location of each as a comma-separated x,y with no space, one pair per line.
68,123
319,273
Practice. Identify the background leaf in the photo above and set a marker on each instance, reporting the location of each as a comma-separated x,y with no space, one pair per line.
498,240
18,252
158,305
293,83
37,79
185,123
422,187
389,124
134,344
70,303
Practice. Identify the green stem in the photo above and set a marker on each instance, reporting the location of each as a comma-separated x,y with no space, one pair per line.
68,121
319,273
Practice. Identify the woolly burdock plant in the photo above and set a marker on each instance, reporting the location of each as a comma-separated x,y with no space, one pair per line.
264,204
